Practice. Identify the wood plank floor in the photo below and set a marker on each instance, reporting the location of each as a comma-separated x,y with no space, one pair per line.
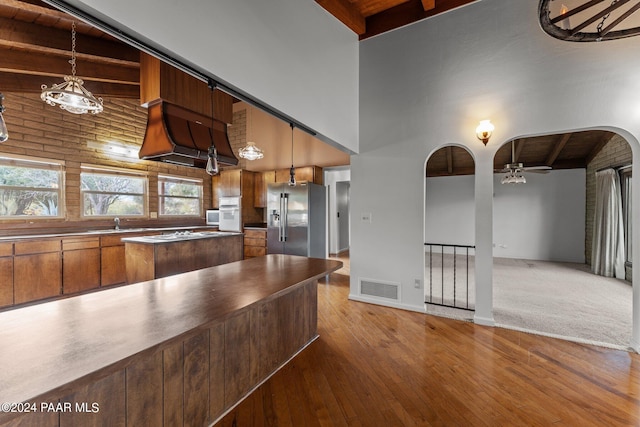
376,366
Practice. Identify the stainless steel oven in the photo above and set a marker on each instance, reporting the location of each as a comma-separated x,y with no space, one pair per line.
230,214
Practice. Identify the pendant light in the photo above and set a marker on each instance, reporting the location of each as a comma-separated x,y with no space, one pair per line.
212,167
4,134
250,151
292,171
70,95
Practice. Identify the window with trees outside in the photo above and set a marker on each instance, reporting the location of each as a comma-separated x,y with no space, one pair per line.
111,192
31,188
179,196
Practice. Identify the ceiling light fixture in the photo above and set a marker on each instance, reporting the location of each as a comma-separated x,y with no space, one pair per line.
292,171
484,131
250,151
4,133
70,95
514,177
212,167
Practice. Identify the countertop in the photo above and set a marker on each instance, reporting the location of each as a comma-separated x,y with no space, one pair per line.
51,347
101,232
179,237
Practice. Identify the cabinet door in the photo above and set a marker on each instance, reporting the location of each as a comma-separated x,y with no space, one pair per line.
215,191
37,276
80,270
303,174
230,183
6,281
113,264
262,180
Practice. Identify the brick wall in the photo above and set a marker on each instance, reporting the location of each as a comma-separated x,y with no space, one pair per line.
238,137
40,130
616,153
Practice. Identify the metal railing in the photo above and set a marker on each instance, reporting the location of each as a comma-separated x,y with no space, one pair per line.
445,287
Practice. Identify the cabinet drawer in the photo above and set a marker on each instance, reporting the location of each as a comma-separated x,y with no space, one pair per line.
37,247
255,242
80,243
255,234
6,249
254,251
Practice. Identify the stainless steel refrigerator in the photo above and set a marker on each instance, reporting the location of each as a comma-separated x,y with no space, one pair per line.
297,220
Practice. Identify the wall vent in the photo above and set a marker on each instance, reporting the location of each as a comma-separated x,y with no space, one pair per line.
376,288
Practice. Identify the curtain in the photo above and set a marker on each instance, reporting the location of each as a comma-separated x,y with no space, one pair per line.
607,250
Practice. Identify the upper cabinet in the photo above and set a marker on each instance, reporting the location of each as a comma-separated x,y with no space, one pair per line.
159,80
303,174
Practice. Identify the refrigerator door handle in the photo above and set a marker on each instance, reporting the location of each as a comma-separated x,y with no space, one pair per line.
285,223
281,218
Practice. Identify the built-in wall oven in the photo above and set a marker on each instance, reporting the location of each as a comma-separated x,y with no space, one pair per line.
230,214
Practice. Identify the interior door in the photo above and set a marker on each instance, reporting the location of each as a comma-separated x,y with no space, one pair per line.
342,207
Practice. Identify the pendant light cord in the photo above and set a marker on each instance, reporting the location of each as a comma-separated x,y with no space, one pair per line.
292,126
73,48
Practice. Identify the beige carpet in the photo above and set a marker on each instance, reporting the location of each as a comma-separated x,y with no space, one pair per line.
556,299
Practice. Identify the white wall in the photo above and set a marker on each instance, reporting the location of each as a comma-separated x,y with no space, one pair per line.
290,54
543,219
428,85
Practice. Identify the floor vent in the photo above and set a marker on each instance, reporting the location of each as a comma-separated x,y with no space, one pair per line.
380,289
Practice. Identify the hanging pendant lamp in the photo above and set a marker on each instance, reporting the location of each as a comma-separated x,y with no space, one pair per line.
71,95
212,167
292,171
250,151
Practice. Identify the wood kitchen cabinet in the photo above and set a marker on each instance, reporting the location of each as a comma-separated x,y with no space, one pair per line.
230,182
303,174
263,179
239,182
255,242
80,264
37,267
6,274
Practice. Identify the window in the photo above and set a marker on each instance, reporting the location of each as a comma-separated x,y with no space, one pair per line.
112,192
179,196
627,218
31,188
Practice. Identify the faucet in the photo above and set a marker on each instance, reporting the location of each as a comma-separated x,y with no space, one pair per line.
117,221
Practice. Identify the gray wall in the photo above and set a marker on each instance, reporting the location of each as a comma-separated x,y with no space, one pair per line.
542,219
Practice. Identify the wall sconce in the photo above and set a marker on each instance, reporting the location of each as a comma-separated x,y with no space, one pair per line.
484,131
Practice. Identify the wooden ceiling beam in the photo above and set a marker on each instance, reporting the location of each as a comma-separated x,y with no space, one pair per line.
24,83
557,149
598,147
428,4
20,62
518,151
347,13
449,159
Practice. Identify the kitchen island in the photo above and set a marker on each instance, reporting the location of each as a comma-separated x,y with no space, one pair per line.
180,350
153,257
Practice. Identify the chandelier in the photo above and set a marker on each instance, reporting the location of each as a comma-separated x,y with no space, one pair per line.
514,176
70,95
250,151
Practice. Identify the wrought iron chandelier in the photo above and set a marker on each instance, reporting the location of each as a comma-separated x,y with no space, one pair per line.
590,21
71,95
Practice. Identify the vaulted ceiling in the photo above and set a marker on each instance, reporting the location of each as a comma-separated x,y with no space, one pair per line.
561,151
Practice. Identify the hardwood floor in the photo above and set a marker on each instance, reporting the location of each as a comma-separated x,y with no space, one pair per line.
377,366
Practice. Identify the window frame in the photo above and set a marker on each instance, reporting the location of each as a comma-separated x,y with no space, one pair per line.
107,170
31,162
181,179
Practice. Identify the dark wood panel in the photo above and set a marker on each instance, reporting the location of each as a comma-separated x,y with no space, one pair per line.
139,264
80,270
253,251
237,352
173,359
34,419
6,281
144,392
269,337
37,276
109,396
216,370
196,380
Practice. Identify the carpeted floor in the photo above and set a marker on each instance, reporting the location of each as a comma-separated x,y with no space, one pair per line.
556,299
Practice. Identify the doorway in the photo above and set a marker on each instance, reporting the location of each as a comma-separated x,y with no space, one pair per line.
342,213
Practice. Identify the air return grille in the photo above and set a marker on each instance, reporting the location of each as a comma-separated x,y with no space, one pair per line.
374,288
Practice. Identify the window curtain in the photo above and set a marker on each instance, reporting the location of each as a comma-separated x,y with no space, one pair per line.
607,251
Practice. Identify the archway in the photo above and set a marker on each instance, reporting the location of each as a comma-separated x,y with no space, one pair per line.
449,232
542,280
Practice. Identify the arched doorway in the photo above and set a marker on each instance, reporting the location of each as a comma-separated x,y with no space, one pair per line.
449,232
542,234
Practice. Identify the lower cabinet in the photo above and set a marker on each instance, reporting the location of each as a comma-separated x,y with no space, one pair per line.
36,270
255,243
80,264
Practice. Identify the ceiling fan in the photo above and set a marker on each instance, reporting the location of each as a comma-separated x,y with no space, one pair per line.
514,171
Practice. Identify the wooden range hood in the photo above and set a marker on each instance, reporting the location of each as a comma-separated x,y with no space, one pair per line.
180,123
